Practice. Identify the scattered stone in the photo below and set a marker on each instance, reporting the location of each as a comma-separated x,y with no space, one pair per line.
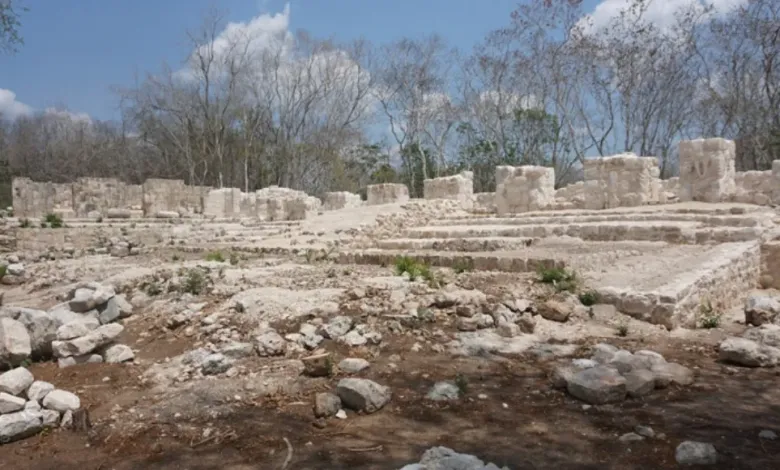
443,458
62,401
15,269
748,353
319,365
75,329
443,391
118,353
526,322
639,382
109,311
696,453
761,309
15,344
341,414
215,364
38,390
42,331
765,334
645,431
16,381
767,435
15,426
363,394
353,339
64,362
671,372
353,365
10,403
237,350
603,353
93,340
337,327
597,385
326,405
631,437
270,343
556,310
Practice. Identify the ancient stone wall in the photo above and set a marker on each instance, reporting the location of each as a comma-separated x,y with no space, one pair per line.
484,203
571,196
167,196
707,171
224,202
386,193
275,203
98,195
524,188
458,188
341,200
34,199
754,187
621,180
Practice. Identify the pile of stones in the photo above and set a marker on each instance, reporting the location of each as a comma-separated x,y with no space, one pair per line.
14,271
82,329
612,374
27,406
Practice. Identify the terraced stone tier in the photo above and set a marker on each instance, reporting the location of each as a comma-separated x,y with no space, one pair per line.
455,244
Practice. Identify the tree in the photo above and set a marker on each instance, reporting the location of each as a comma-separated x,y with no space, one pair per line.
9,26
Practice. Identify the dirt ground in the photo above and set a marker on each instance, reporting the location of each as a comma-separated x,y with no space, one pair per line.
510,415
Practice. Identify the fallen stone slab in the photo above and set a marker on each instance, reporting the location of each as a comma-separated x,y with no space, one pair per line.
10,403
598,385
15,344
118,353
93,340
62,401
16,381
19,425
363,394
745,352
696,453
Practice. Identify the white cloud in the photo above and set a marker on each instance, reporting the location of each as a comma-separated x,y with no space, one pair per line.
662,13
10,108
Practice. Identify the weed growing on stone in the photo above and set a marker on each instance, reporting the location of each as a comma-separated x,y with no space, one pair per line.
54,221
194,281
588,298
3,271
562,279
462,265
622,330
708,318
414,268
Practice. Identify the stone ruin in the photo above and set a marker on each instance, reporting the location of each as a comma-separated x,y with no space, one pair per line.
620,181
386,193
457,188
523,189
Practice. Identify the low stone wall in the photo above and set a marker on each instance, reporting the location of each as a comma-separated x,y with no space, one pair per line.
387,193
707,170
754,187
275,203
341,200
484,203
620,181
458,188
34,199
223,202
524,188
571,196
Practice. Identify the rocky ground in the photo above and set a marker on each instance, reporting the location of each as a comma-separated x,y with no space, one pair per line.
168,360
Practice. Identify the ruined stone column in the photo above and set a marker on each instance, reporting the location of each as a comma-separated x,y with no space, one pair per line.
458,188
386,193
707,171
621,180
524,188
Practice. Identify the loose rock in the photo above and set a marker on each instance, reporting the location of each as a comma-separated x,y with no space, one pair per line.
598,385
326,405
363,394
696,453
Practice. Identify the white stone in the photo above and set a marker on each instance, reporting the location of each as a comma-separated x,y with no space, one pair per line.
707,170
14,342
458,188
387,193
62,401
50,418
15,381
15,269
64,362
353,365
523,189
42,330
88,343
620,181
14,426
117,353
38,390
10,403
363,394
748,353
270,343
696,453
75,329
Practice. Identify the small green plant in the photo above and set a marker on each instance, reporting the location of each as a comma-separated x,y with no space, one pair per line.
3,270
462,265
54,221
175,258
588,298
346,272
404,264
708,318
25,223
414,268
215,256
462,382
622,330
427,274
194,281
562,279
234,259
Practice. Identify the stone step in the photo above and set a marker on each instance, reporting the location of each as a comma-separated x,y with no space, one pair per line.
455,244
670,232
710,220
505,261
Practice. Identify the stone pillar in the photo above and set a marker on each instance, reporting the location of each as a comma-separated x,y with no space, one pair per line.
458,188
341,200
225,202
707,170
621,180
524,188
386,193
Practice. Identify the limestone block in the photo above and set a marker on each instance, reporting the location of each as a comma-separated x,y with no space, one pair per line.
387,193
524,188
341,200
275,203
620,180
754,187
770,265
571,196
707,171
459,188
224,202
484,203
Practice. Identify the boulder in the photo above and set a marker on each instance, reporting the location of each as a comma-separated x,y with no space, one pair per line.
696,453
326,405
761,309
603,353
62,401
109,311
42,330
270,343
597,385
556,310
671,372
442,391
64,362
15,344
15,381
75,329
10,403
125,307
639,382
353,365
748,353
337,327
765,334
117,353
15,269
363,394
62,314
93,340
215,364
38,390
19,425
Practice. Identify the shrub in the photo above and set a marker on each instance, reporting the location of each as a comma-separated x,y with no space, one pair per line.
215,256
3,270
153,289
462,382
54,221
588,298
194,281
560,278
462,266
622,330
175,258
708,318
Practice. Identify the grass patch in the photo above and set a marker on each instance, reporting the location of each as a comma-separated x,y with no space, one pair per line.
416,270
54,221
589,298
3,271
462,266
560,278
215,256
194,281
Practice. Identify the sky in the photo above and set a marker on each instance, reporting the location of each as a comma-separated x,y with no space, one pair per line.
77,51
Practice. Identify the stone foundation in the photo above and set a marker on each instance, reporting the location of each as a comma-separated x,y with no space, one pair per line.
341,200
458,188
484,203
387,193
620,181
274,203
707,171
754,187
523,189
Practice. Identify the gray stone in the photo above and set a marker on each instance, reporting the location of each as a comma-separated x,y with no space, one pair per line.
117,353
81,300
631,437
767,435
508,330
353,365
468,323
761,309
748,353
15,381
526,322
671,372
563,373
42,331
326,405
215,364
62,401
15,269
353,338
67,420
38,390
337,327
650,357
443,458
75,329
765,334
603,353
10,403
363,394
109,311
64,362
645,431
598,385
556,310
50,418
639,382
93,340
237,350
270,343
625,362
15,344
125,307
442,391
696,453
19,425
34,406
62,314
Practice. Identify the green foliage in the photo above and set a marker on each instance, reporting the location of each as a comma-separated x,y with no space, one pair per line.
562,279
54,221
194,281
175,258
215,256
414,268
622,330
589,298
463,265
708,318
462,382
3,270
25,223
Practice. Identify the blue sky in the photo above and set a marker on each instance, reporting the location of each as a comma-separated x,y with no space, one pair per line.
75,51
